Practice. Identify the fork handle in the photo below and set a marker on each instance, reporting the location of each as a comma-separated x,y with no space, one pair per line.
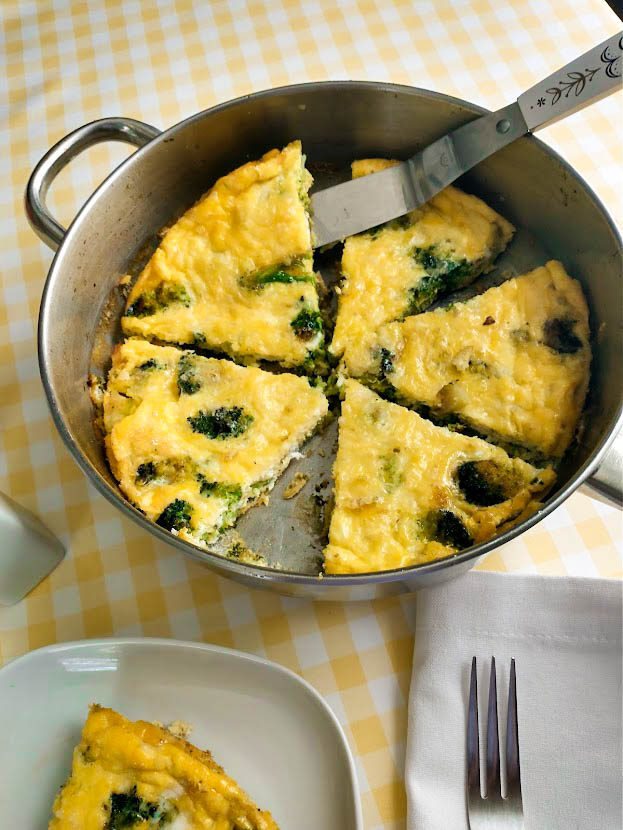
593,75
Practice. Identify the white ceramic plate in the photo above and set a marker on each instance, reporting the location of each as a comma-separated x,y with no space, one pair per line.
270,730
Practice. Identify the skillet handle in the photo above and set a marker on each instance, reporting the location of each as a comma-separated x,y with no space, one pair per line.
585,80
126,130
607,480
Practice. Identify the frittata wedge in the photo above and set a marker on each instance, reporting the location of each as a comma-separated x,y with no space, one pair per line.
403,266
512,363
194,441
408,492
235,274
129,774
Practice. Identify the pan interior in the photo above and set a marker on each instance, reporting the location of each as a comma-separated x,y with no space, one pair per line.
291,533
554,212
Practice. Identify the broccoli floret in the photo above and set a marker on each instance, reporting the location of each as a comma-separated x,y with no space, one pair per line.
445,527
221,423
236,550
380,383
187,381
277,275
442,274
386,362
451,531
127,809
478,487
232,493
318,362
307,323
390,470
146,472
558,335
165,294
148,365
175,516
283,276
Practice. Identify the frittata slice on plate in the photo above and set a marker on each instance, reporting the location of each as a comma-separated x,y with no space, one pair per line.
129,774
401,268
407,491
513,363
235,274
194,441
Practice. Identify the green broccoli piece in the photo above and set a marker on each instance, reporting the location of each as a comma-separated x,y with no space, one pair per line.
165,294
390,470
443,274
478,487
307,323
278,275
221,423
187,381
236,550
148,365
146,472
451,531
445,527
386,362
558,334
232,493
175,516
127,809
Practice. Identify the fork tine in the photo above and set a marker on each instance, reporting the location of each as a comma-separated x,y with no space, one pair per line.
473,741
493,742
513,780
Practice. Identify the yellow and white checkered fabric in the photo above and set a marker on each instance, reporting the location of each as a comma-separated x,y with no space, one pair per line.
68,63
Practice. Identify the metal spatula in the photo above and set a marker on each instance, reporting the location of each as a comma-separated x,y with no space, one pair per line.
355,206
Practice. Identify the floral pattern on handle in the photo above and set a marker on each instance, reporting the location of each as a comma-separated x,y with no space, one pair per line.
575,83
613,68
596,72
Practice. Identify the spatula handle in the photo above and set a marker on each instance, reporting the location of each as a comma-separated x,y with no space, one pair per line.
593,75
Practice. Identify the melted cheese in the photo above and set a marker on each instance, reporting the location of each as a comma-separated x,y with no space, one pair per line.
146,418
382,269
118,756
488,360
396,474
198,286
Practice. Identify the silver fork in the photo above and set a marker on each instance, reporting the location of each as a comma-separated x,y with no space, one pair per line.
493,811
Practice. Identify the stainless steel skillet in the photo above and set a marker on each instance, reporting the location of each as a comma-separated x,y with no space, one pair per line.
556,214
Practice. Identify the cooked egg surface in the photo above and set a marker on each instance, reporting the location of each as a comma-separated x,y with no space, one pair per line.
400,268
408,492
513,362
234,273
196,441
138,775
193,440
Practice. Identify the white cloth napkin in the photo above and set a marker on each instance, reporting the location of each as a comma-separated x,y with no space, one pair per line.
565,635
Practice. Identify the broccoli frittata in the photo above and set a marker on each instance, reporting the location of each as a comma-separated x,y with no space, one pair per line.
134,774
407,491
496,382
513,363
194,441
400,268
235,274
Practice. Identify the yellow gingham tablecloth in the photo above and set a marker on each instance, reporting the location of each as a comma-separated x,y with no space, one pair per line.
69,63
